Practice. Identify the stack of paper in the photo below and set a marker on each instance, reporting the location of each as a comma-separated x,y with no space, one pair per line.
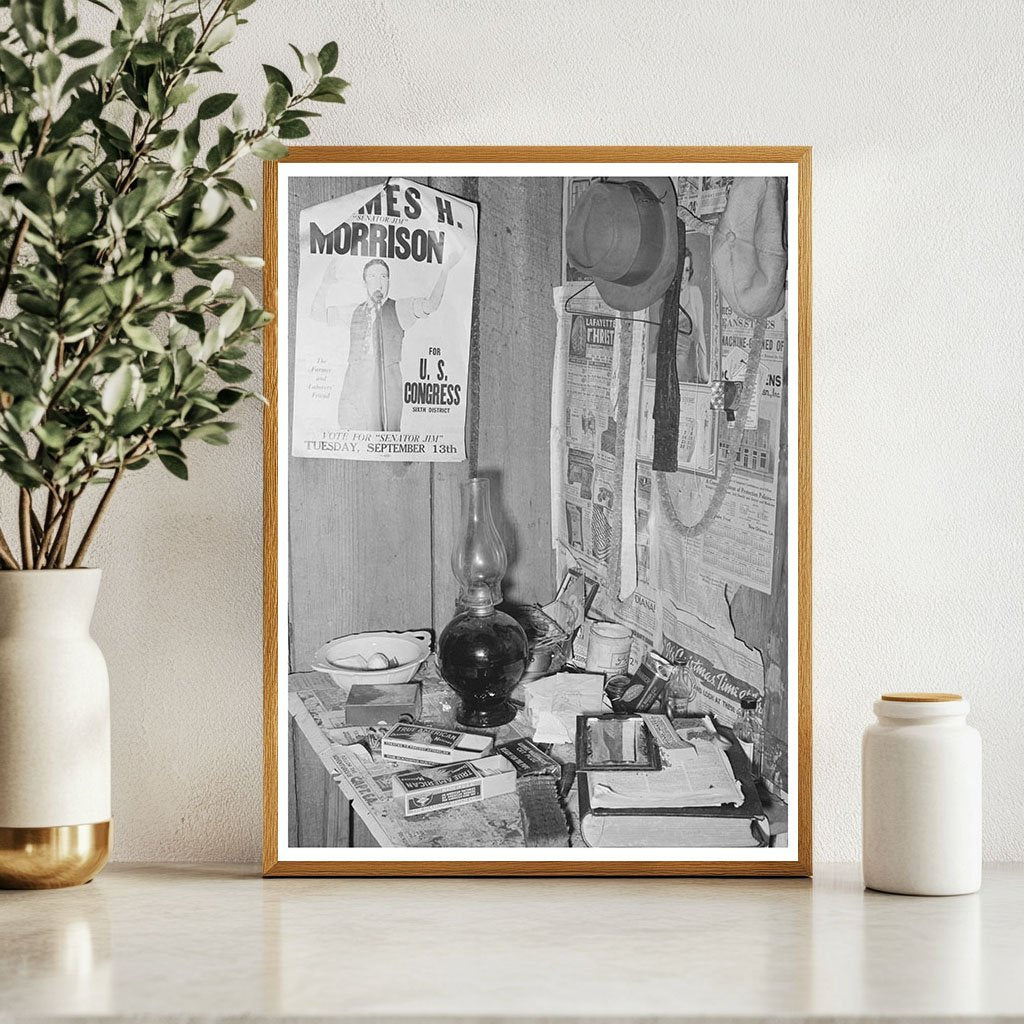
552,704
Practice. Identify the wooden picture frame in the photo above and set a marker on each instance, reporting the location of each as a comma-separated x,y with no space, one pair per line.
383,489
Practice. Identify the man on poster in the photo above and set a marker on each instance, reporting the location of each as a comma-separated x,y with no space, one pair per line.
371,394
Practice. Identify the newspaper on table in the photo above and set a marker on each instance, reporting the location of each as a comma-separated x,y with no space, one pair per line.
382,325
702,777
365,778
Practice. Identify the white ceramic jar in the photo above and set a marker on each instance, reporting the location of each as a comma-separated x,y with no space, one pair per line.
921,778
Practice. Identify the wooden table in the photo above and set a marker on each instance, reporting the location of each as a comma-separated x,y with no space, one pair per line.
326,808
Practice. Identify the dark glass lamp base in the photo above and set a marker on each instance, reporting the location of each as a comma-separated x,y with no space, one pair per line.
482,657
485,718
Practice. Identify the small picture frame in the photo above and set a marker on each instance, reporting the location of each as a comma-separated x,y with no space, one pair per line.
610,743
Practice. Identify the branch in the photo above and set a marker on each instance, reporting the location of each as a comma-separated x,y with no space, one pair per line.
25,522
19,234
87,356
60,544
54,511
6,555
94,523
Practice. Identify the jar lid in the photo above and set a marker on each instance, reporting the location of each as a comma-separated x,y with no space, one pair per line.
921,698
921,705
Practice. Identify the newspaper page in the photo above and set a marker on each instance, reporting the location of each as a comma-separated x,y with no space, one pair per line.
383,318
587,418
676,566
365,778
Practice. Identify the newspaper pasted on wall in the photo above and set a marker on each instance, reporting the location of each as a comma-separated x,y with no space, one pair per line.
626,526
383,318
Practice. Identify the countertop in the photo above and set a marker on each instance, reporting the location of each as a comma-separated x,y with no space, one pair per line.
177,942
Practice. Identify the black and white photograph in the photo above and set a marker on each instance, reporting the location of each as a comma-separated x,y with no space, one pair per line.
445,697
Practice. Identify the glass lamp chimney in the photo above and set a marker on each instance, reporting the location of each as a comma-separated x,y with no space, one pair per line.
479,560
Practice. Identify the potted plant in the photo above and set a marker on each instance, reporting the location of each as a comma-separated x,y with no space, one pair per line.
122,340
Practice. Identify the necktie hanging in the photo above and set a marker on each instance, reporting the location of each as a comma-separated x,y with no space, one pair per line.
378,343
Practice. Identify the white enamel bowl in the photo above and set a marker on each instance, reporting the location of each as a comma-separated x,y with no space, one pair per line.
345,659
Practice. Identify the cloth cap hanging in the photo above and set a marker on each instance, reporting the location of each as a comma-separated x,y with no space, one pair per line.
749,247
621,233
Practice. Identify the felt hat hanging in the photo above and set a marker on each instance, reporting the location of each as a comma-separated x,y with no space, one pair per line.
621,234
749,247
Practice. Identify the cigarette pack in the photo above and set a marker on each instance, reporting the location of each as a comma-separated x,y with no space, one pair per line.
370,705
528,759
645,689
426,744
450,785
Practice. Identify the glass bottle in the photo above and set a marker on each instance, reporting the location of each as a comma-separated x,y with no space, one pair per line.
482,652
680,688
747,730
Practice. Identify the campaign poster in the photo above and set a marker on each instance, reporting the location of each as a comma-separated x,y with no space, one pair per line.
382,325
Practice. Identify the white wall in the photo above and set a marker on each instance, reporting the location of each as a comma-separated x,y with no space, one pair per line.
914,113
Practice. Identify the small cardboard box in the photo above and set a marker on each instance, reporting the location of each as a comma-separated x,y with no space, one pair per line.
528,759
368,704
427,744
422,790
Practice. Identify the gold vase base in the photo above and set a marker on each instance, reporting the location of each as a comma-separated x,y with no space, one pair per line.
53,857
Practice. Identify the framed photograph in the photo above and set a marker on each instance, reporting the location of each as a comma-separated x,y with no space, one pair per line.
614,345
607,743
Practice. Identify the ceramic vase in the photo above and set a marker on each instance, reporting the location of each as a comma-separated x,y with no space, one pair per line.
54,731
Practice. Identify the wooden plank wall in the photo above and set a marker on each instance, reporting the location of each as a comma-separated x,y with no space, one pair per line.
370,543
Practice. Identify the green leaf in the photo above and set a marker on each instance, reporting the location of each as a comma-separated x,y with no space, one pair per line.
26,414
193,379
83,48
293,130
144,338
133,12
327,96
49,68
181,94
328,57
211,433
52,435
116,390
184,43
149,53
175,465
227,397
78,78
233,373
222,281
269,149
216,104
129,421
16,70
107,67
53,14
221,35
232,319
279,77
276,99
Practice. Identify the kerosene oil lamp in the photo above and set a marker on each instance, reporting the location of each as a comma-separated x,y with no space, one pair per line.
482,652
